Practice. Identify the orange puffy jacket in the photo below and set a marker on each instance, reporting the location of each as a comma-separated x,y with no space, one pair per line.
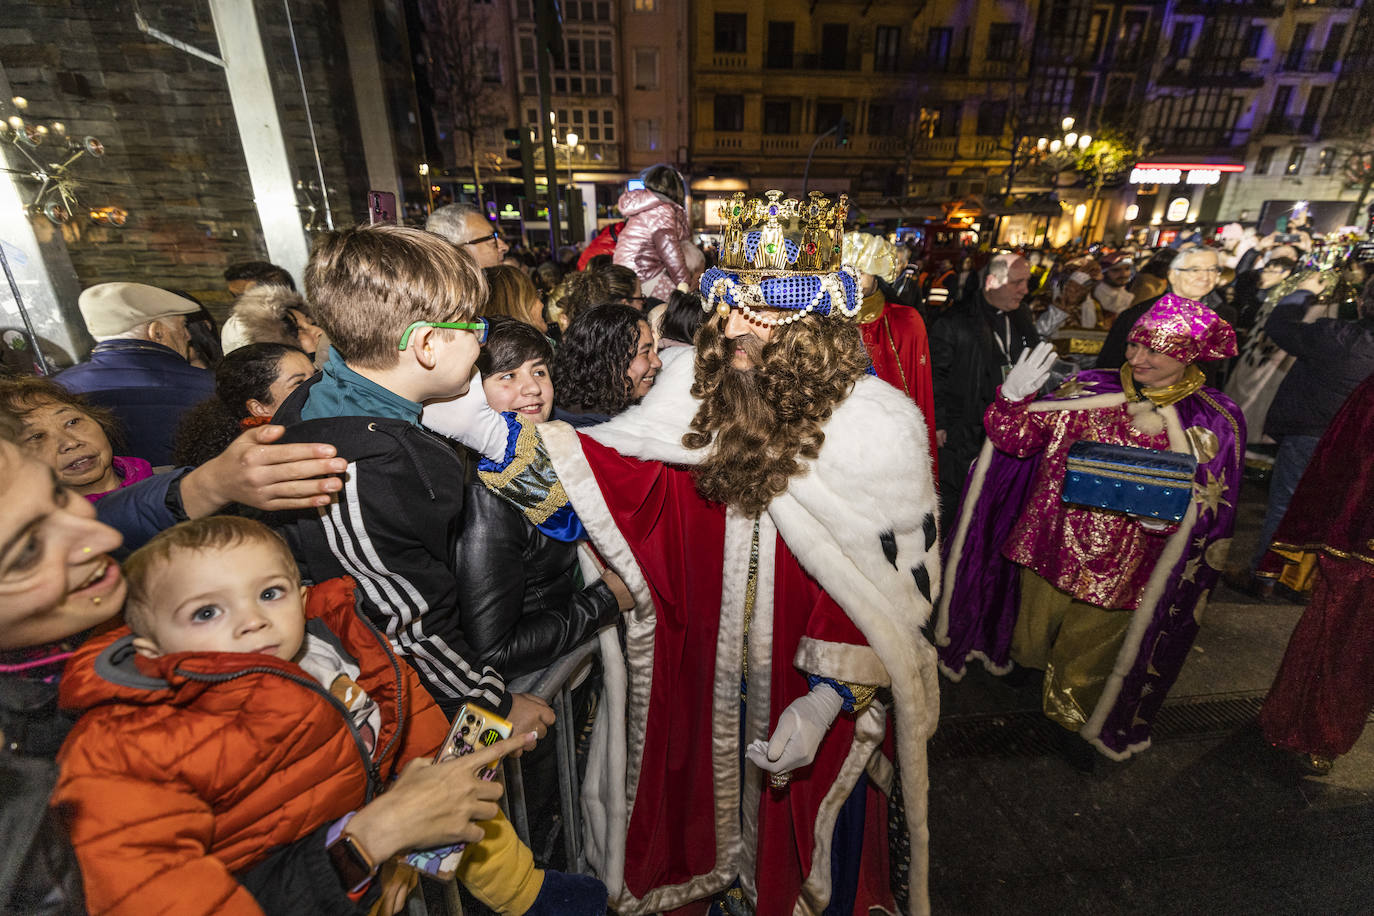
185,769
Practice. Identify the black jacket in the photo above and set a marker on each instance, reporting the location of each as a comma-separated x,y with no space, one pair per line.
1332,358
966,366
394,528
517,600
38,871
966,361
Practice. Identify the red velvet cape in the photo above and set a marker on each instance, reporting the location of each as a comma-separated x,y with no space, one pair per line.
677,539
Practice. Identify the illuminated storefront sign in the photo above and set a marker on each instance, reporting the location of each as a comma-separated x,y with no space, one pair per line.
1178,210
1172,173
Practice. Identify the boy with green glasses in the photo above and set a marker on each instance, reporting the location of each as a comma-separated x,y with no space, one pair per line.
399,306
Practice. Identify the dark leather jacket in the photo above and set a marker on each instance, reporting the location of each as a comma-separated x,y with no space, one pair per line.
518,603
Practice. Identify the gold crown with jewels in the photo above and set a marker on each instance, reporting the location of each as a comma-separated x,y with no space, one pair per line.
785,255
777,233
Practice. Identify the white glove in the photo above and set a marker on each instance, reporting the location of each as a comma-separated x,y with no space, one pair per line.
1029,373
470,420
800,729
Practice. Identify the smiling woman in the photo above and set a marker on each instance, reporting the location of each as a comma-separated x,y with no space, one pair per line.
71,436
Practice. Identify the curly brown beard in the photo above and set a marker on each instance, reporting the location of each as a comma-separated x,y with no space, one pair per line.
763,420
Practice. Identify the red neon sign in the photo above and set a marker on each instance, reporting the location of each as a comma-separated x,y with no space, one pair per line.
1188,166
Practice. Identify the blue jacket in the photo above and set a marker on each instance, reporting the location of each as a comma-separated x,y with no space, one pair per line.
147,385
140,510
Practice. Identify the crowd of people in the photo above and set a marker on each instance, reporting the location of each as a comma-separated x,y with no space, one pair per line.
252,572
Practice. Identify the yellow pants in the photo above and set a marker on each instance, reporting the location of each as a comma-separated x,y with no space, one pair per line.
1074,643
499,871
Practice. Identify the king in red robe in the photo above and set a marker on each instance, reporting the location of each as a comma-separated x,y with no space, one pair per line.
718,762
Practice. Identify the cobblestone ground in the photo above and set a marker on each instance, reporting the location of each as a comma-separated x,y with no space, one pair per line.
1208,820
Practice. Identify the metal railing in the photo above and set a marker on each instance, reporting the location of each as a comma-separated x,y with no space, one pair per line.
553,685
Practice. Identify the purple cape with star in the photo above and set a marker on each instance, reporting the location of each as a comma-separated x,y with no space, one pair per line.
983,587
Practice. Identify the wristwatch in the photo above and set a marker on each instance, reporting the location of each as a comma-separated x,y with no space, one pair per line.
350,861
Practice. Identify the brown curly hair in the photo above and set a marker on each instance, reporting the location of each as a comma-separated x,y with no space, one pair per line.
764,420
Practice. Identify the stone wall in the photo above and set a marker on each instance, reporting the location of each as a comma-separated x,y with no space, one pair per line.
173,157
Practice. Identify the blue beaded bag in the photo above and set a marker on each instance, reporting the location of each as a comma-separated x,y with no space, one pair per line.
1124,478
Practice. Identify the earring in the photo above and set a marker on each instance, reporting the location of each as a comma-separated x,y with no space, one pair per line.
85,550
95,600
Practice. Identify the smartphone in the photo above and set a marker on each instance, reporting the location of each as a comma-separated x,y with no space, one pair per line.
472,728
381,207
1281,225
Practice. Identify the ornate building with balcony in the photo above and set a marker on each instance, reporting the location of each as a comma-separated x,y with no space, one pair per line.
1300,134
1249,82
620,96
925,91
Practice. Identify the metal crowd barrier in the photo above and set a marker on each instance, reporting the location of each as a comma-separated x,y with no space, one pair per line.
553,686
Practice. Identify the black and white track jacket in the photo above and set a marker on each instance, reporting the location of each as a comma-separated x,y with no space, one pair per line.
394,528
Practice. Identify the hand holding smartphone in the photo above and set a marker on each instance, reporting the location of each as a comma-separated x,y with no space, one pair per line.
473,727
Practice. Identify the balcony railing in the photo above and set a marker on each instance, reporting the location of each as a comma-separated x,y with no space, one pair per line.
996,69
728,141
935,147
1206,71
951,65
1311,61
1238,7
1282,124
782,143
847,61
729,61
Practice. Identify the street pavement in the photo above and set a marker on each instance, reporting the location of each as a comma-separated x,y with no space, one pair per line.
1208,820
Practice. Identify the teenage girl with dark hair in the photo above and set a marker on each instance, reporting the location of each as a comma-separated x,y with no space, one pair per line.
250,383
605,362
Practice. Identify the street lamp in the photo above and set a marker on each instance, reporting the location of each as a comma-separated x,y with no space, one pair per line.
572,139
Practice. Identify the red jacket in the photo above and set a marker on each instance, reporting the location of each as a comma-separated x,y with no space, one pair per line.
603,243
896,342
185,769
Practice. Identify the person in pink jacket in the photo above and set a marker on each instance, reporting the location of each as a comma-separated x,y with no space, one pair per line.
656,241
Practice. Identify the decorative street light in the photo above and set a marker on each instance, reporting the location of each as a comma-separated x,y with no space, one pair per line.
572,139
1056,154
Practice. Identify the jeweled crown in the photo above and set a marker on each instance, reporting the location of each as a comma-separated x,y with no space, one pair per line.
776,233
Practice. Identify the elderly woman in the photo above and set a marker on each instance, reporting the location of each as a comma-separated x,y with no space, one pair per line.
70,435
1104,602
266,313
57,583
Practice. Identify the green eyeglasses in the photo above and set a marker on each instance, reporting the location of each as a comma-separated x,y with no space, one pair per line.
478,326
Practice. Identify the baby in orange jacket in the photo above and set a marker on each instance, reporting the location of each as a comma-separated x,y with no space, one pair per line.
240,713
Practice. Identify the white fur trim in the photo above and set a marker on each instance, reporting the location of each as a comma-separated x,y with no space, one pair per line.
872,479
841,662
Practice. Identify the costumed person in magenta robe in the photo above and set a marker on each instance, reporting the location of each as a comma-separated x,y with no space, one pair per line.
894,334
1324,690
771,507
1106,603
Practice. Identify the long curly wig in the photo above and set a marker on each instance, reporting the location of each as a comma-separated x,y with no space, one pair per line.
591,366
762,421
